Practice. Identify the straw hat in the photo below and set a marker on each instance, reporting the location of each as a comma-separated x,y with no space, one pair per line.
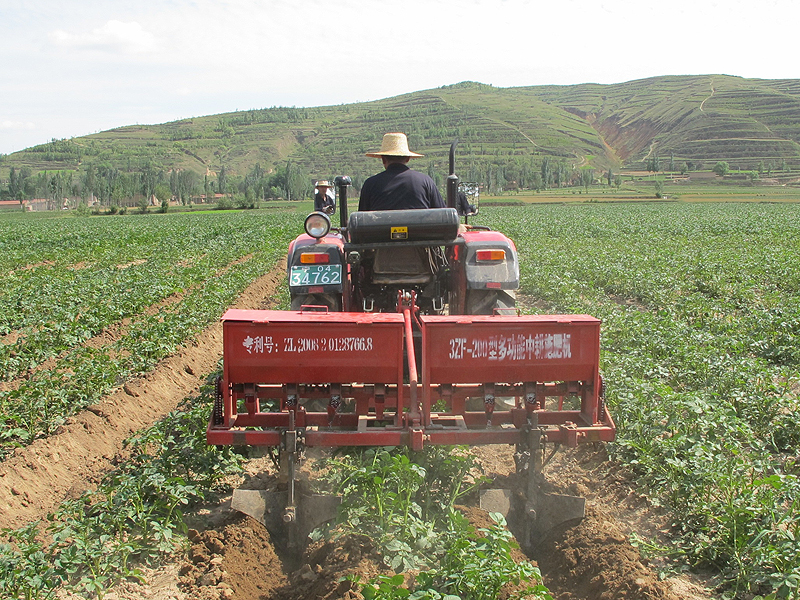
324,183
394,144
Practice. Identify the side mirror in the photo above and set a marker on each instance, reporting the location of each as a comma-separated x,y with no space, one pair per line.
469,194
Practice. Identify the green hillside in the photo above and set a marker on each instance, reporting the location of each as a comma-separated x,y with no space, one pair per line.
698,118
504,134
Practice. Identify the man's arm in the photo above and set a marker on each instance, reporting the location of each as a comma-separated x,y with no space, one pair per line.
434,197
364,199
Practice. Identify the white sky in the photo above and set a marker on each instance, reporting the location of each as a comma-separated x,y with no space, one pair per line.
73,67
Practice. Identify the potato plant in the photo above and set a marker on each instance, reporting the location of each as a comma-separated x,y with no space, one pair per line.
134,517
110,271
405,501
701,356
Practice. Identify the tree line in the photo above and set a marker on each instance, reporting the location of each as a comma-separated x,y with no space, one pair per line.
106,185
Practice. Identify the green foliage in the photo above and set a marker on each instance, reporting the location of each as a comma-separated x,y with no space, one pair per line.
60,302
401,498
27,568
476,565
404,501
721,168
701,319
701,325
382,587
653,164
224,203
131,518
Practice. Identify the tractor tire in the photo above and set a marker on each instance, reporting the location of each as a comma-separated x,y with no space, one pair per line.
483,302
332,301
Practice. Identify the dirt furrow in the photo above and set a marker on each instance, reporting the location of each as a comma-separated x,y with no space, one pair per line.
35,479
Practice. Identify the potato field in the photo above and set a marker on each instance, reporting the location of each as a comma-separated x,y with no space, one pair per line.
701,354
109,338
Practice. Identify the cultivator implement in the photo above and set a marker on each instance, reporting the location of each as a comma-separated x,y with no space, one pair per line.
332,379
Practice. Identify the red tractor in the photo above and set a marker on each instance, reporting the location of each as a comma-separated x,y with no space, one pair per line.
403,331
377,260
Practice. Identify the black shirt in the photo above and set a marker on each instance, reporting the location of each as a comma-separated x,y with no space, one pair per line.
462,205
323,200
398,188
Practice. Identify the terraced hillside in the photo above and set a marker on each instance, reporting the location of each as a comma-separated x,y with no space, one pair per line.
705,118
698,119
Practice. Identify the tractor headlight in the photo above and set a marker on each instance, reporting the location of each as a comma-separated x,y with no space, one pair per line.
317,225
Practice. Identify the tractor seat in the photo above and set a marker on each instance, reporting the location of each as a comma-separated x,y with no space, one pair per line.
403,265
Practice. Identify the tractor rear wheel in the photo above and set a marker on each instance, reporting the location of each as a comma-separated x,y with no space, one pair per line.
332,301
484,302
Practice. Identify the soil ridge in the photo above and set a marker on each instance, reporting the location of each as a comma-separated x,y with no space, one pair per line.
37,478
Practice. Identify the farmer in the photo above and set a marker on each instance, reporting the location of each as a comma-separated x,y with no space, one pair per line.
463,206
398,187
323,198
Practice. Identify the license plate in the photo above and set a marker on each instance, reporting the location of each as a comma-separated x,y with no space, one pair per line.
315,275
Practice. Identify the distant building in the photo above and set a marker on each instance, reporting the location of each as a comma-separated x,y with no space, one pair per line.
11,204
37,204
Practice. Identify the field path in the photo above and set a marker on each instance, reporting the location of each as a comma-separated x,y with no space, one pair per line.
650,151
37,478
711,95
515,129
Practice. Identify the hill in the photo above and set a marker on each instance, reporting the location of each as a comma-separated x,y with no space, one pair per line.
504,133
697,118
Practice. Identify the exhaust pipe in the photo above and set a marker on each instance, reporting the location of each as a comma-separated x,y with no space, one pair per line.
452,178
342,182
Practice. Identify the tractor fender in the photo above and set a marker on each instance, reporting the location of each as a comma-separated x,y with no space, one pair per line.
494,274
333,246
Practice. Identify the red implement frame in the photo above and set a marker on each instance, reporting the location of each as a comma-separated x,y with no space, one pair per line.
538,363
530,371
